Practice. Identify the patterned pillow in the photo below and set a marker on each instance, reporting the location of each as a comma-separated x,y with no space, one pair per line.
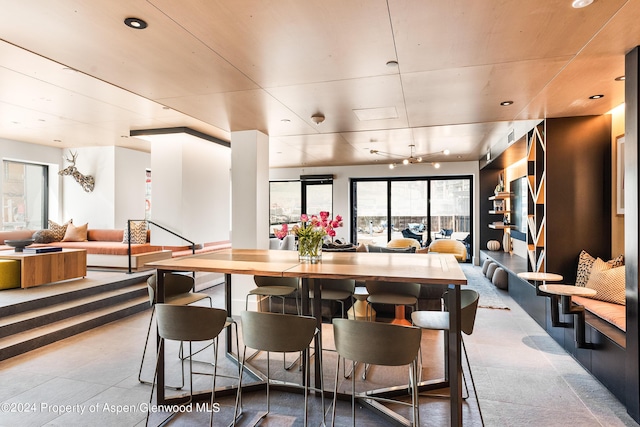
44,236
585,265
138,233
609,283
617,261
585,262
58,230
76,234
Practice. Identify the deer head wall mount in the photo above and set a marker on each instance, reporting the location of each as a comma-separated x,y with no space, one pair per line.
86,181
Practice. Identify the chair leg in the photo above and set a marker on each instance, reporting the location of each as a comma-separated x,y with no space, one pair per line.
335,392
144,352
241,369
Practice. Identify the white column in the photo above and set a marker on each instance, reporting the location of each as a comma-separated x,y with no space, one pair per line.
190,190
250,203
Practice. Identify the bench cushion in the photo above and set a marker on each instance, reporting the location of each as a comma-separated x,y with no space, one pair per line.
612,313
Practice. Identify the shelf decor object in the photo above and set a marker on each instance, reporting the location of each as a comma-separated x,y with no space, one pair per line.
19,245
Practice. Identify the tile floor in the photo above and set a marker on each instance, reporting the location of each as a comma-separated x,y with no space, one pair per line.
522,379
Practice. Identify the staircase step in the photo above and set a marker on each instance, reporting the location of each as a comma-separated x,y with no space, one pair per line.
23,342
23,321
59,293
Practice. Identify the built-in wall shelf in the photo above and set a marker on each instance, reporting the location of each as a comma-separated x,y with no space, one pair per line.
499,226
499,212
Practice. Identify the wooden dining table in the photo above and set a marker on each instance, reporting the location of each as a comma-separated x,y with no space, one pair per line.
439,269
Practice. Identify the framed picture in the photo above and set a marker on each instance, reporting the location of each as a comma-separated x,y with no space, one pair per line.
620,175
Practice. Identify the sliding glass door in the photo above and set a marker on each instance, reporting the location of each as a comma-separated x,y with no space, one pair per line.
383,208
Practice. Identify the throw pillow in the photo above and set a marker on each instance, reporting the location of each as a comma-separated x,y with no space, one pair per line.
138,233
58,230
44,236
75,234
609,283
362,248
585,265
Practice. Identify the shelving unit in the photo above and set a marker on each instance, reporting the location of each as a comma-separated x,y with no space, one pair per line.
500,207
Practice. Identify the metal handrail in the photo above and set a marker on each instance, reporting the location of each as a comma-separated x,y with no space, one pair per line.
192,244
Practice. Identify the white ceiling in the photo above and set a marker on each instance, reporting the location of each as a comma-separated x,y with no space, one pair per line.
72,74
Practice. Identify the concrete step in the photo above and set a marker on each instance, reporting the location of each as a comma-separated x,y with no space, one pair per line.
31,339
26,320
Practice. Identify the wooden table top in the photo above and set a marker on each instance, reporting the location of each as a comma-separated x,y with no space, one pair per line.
568,290
11,254
540,276
421,268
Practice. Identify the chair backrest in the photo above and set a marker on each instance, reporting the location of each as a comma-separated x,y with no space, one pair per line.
375,287
348,285
274,243
288,243
292,282
403,243
447,232
277,332
468,308
449,246
174,284
377,343
189,322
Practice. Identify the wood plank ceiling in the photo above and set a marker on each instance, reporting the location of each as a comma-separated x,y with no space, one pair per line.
72,74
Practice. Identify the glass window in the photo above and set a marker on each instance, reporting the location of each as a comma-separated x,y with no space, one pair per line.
424,206
285,201
371,212
319,197
451,208
24,196
409,207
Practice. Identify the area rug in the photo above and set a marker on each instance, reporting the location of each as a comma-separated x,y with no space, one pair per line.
489,294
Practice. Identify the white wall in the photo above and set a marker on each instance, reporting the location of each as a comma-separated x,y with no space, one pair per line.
96,208
129,187
190,192
342,174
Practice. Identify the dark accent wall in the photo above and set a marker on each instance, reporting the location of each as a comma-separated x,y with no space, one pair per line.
578,191
632,92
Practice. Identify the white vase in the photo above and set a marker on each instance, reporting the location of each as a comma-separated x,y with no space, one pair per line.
506,242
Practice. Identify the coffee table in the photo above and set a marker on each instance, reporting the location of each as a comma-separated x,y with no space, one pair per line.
40,269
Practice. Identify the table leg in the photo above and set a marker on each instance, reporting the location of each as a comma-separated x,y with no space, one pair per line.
400,319
227,303
160,395
455,353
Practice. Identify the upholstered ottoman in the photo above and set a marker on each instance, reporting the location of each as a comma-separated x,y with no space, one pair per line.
500,278
485,266
9,274
491,268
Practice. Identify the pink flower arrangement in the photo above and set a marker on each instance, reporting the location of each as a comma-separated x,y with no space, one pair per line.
282,233
320,224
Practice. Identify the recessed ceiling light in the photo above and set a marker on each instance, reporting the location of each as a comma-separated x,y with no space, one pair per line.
392,63
135,23
596,96
285,120
578,4
619,79
506,103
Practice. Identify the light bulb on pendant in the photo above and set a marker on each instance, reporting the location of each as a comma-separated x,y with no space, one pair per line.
405,162
436,165
391,166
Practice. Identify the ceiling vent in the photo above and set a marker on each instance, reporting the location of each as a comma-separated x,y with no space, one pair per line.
511,138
